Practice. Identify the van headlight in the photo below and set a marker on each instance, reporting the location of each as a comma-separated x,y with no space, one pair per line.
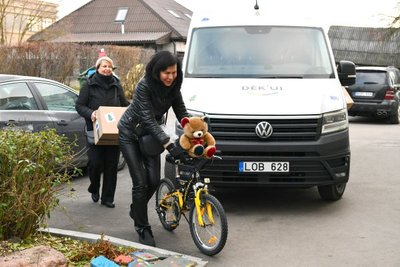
334,121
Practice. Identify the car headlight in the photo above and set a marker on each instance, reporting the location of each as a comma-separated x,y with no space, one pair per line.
335,121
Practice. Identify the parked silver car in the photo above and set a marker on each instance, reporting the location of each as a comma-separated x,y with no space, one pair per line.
33,104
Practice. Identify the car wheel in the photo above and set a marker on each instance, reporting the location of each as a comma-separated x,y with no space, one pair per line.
121,162
332,192
395,117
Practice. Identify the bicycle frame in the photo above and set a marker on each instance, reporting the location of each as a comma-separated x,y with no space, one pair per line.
188,192
183,191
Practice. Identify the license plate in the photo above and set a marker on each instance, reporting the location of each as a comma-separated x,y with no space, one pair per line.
368,94
260,166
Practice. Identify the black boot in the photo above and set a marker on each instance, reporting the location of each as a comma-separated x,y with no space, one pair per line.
95,197
146,237
94,193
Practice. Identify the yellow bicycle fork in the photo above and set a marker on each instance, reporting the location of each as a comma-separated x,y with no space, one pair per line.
200,211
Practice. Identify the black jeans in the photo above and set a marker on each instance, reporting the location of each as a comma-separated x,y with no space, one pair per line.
103,159
145,175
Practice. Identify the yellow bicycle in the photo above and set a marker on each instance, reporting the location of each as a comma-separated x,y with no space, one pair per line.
188,192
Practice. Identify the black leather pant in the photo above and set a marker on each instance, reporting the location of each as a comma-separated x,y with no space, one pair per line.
145,175
103,159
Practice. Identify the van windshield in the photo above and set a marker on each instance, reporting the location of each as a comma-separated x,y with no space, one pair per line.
259,51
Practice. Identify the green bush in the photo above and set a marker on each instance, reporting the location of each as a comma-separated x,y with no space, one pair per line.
132,78
32,167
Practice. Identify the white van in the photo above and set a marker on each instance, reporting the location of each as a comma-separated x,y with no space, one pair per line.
273,97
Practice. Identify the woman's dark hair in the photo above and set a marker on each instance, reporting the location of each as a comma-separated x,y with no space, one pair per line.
160,62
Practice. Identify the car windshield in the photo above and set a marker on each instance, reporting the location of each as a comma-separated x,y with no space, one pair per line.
370,77
259,51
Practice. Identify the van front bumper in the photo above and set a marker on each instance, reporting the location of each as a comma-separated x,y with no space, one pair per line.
312,163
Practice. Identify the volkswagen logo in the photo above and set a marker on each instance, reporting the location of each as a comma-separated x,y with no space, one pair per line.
264,129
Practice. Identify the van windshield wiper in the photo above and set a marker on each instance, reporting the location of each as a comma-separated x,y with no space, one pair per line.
281,77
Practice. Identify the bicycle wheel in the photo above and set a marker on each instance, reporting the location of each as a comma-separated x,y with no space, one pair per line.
167,208
210,238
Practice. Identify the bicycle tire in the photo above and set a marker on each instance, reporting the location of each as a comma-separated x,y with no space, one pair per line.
211,238
169,213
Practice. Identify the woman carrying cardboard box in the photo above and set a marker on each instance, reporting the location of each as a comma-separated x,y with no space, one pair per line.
102,88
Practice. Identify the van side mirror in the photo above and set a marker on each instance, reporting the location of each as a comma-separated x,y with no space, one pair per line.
347,72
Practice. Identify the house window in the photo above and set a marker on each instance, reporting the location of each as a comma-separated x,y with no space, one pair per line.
121,14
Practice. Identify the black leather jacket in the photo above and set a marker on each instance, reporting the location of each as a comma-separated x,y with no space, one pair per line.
145,114
99,90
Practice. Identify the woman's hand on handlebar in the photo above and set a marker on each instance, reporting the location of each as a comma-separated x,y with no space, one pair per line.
176,152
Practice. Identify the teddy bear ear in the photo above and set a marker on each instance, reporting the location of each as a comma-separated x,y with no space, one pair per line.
204,118
184,120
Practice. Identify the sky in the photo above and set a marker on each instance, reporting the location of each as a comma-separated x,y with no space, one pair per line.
361,13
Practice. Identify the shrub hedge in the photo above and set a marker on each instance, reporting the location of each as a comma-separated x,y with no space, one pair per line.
32,168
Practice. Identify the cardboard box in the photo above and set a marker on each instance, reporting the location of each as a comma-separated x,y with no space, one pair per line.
105,127
349,100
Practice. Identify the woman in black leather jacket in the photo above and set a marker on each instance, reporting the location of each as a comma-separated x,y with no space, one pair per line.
155,94
101,89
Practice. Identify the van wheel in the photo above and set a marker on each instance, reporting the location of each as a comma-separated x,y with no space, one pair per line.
121,162
332,192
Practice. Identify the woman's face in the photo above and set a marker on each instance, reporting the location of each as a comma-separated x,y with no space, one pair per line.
168,76
105,68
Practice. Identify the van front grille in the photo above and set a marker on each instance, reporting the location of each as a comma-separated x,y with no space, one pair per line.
287,130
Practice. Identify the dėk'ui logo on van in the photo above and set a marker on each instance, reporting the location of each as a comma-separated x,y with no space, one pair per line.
264,129
262,89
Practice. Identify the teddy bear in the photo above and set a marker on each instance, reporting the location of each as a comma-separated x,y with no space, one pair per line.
196,139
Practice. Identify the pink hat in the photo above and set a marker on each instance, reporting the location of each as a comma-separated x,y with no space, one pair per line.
102,53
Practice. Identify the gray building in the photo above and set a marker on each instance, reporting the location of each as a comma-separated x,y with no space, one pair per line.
366,46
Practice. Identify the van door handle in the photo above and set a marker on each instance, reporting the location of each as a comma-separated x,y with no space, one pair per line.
62,123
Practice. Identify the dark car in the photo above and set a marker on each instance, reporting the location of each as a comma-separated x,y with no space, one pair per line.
34,104
376,93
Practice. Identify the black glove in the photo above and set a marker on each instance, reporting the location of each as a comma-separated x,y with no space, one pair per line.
176,152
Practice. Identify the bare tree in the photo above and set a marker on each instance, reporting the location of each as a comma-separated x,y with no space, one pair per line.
395,23
4,4
18,17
